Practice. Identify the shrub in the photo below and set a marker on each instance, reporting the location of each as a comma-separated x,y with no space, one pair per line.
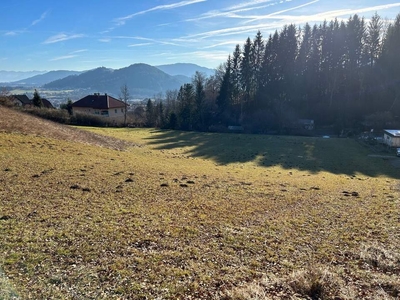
62,116
6,101
56,115
86,120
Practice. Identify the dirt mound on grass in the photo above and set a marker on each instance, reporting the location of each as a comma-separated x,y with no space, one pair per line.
13,121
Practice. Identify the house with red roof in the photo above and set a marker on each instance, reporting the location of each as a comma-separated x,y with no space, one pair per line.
103,106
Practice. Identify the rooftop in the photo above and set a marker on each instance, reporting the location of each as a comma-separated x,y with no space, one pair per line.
393,132
98,101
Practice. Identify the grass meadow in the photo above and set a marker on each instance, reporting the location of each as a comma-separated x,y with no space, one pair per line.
105,213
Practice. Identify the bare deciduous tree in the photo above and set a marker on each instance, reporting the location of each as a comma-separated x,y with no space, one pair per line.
125,96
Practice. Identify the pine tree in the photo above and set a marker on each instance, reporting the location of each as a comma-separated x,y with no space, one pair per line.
389,63
373,39
37,100
304,72
186,100
199,109
257,56
246,71
237,100
235,73
267,91
225,93
150,122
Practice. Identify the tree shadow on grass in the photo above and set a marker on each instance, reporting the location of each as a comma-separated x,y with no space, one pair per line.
313,154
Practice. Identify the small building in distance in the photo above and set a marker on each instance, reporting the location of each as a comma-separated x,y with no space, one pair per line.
307,124
391,137
21,100
47,103
103,106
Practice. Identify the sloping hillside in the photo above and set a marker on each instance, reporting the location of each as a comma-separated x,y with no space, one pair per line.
9,76
13,121
41,79
193,216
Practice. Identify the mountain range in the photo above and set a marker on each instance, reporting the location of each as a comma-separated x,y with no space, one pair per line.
185,69
141,79
41,79
11,76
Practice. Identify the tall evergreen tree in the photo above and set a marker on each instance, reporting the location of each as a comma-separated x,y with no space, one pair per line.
390,64
150,114
286,58
373,39
268,90
237,100
37,100
199,106
257,55
246,71
303,70
224,98
186,102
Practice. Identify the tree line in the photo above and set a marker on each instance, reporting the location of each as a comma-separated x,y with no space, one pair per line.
344,74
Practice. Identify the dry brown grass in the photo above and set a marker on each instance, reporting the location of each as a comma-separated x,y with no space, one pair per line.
18,122
79,221
331,282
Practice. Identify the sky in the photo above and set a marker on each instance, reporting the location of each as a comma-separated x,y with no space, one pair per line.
82,35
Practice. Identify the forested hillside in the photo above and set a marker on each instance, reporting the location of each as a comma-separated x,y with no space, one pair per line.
144,80
344,74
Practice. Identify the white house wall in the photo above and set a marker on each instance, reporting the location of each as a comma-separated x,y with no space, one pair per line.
114,114
391,140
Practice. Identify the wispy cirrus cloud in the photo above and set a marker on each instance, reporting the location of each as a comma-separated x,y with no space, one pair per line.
233,11
228,14
247,4
24,30
276,20
226,43
140,45
69,55
62,37
320,17
42,17
255,18
12,32
368,9
79,51
140,38
156,41
227,31
121,21
63,57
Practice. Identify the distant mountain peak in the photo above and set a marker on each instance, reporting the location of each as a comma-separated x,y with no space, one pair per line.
185,69
41,79
142,80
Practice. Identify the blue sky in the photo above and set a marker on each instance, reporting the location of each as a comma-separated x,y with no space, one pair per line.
82,35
